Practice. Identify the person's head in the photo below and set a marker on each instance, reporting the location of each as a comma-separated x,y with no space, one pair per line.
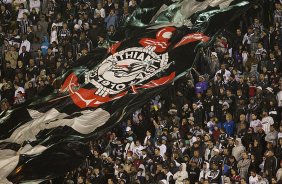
233,171
260,46
214,165
31,62
80,180
112,12
237,142
253,173
273,180
239,92
2,7
271,55
222,67
157,151
216,151
243,181
244,155
264,112
228,92
4,104
196,153
231,141
228,117
110,181
242,117
238,32
194,106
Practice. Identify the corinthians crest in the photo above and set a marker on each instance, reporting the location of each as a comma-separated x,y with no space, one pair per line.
126,68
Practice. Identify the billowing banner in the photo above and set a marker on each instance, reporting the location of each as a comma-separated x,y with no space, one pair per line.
47,137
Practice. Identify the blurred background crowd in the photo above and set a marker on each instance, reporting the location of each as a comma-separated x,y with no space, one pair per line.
221,123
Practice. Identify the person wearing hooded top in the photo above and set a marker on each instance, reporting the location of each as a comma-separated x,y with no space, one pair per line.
238,149
141,174
181,174
205,172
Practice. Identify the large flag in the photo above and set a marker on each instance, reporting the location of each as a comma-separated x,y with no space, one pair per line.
47,137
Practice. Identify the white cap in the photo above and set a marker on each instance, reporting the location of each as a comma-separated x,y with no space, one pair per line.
127,129
259,87
269,89
214,54
77,26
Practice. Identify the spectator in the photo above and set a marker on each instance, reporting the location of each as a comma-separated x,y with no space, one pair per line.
111,20
180,175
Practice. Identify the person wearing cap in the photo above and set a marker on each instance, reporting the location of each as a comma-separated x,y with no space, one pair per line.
130,133
216,156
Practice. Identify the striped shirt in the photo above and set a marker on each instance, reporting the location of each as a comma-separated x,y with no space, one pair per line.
23,24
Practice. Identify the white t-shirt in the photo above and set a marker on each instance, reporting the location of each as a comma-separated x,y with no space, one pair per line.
101,12
20,89
254,124
266,122
253,180
34,4
279,98
25,43
225,76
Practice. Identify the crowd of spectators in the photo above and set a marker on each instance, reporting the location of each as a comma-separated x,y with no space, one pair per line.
40,40
224,127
